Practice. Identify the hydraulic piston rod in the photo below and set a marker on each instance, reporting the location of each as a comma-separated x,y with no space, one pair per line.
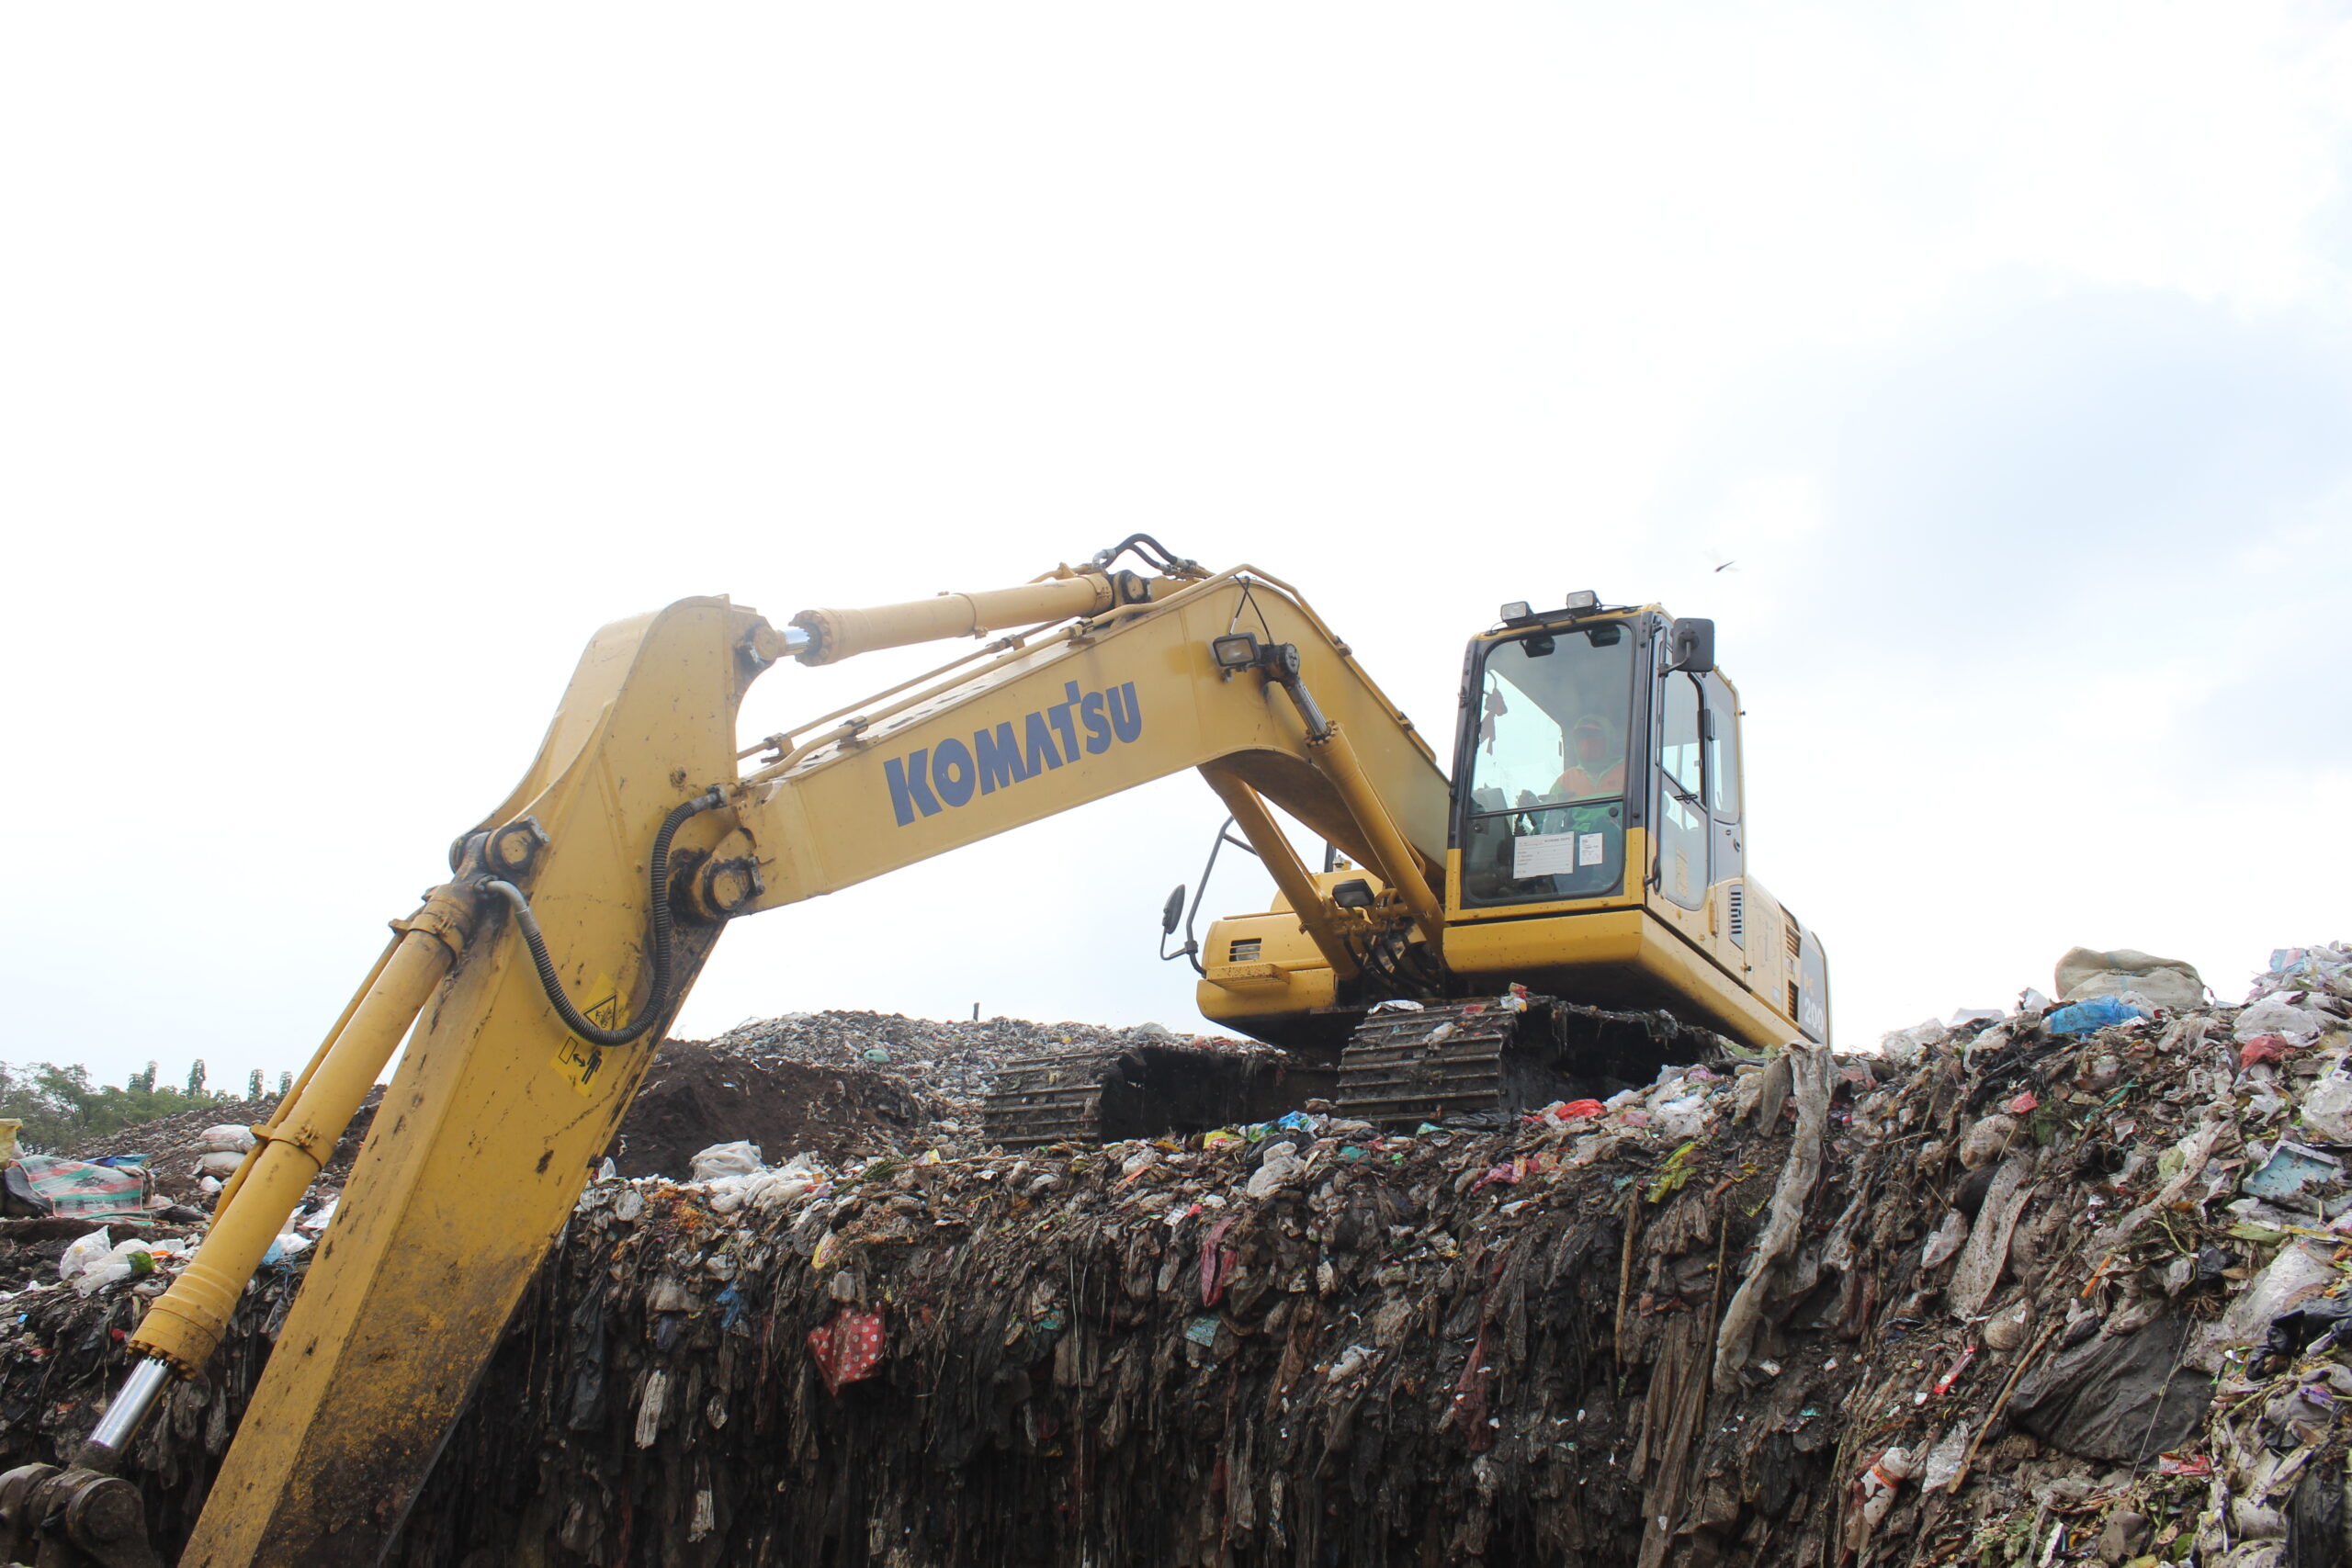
1335,758
181,1330
837,634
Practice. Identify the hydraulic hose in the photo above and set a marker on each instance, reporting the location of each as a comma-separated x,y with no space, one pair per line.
658,875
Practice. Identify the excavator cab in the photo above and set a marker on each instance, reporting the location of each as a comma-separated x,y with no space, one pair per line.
1600,842
1542,805
1595,856
1579,730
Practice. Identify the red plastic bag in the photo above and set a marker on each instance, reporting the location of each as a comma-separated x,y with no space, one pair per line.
2264,1048
1217,1262
847,1349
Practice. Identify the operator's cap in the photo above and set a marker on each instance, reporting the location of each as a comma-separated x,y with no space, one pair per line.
1590,724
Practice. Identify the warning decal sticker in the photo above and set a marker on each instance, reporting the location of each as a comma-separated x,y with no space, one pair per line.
580,1062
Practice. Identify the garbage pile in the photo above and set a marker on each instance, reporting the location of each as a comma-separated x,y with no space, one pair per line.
2063,1283
957,1061
172,1149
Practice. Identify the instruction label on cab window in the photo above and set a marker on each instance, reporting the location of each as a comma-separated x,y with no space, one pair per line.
1545,854
581,1063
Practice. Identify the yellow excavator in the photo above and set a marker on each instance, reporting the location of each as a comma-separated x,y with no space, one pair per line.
1572,909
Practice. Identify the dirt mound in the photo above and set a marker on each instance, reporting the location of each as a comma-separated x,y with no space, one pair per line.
696,1097
954,1059
166,1138
169,1142
842,1084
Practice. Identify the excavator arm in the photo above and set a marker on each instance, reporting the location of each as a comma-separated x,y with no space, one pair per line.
532,987
1112,702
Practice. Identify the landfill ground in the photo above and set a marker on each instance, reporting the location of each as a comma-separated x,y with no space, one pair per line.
2039,1288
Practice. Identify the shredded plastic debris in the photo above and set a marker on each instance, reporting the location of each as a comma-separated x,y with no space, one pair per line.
2028,1296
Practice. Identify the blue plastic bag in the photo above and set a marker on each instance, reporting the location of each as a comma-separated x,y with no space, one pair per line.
2093,1013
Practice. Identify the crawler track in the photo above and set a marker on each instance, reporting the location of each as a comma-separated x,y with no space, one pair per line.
1484,1058
1138,1090
1474,1061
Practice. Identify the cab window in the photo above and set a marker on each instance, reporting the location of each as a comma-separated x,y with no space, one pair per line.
1681,804
1545,814
1722,751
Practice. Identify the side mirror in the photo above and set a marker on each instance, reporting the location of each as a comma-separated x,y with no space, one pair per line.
1171,911
1691,646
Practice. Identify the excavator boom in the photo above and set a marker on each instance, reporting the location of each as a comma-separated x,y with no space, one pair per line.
562,966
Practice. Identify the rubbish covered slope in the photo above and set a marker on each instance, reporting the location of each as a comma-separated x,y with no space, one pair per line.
2042,1288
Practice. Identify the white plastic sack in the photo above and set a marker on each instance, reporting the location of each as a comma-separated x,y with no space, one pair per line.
1948,1239
1986,1140
1746,1090
768,1190
122,1261
85,1251
1591,1147
1270,1178
99,1275
1683,1119
221,1163
2273,1015
726,1159
1940,1470
2301,1271
232,1140
2327,1107
1904,1047
290,1244
2006,1329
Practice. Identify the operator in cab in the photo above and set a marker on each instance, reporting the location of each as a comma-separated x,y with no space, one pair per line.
1596,761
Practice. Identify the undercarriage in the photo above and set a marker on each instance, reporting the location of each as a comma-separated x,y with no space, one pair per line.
1472,1063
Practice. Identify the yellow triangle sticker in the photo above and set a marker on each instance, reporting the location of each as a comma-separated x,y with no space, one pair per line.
582,1064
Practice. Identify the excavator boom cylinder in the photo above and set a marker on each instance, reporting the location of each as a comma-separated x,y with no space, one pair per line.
187,1320
836,635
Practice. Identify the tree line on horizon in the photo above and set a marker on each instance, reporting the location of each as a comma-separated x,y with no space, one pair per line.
61,1107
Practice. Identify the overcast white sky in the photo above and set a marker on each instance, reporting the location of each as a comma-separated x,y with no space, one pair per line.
355,366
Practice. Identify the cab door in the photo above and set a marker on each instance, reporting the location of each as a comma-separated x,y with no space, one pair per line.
1719,731
1681,872
1701,868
